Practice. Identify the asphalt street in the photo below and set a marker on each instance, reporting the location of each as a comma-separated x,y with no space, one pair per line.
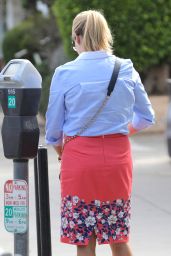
151,200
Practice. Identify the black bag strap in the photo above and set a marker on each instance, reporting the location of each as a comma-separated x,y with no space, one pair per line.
114,76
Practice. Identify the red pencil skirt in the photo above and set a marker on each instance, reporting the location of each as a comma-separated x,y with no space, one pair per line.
96,183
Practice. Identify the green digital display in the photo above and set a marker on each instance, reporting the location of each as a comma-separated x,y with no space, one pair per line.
11,101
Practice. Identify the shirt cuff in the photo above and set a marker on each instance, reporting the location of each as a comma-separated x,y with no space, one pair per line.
141,123
54,142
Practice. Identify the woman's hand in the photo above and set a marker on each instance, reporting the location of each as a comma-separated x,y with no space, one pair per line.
132,130
58,149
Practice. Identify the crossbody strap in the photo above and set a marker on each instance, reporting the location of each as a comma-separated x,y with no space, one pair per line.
111,86
114,76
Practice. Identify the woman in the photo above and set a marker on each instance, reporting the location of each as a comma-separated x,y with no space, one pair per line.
96,167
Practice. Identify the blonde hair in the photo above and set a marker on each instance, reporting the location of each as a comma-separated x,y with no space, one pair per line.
93,28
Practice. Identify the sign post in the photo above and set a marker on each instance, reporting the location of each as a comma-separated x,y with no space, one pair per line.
21,239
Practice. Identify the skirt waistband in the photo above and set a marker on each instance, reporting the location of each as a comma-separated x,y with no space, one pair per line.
101,136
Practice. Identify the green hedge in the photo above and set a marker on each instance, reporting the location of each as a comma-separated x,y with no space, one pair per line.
19,38
142,29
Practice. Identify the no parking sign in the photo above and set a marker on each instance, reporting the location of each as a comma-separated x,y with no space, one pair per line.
16,206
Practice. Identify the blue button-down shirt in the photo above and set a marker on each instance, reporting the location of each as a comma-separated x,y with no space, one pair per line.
78,89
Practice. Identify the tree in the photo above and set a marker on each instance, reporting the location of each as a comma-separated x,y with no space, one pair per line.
142,29
31,4
36,35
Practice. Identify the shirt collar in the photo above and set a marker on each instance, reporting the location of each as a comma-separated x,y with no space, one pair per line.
93,55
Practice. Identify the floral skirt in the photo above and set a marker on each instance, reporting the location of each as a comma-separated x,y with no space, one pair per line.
96,183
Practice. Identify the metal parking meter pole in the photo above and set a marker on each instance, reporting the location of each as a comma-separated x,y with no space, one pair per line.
44,206
36,182
21,241
168,126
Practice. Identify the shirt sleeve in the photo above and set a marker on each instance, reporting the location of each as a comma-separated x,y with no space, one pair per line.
143,113
55,112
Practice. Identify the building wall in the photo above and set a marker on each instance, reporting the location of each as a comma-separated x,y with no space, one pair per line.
2,24
14,13
11,14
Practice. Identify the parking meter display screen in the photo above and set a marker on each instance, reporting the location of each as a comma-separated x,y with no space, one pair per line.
12,69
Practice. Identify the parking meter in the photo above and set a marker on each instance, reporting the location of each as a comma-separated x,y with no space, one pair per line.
20,90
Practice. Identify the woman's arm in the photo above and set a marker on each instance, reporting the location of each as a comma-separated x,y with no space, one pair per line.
143,116
55,113
58,150
132,130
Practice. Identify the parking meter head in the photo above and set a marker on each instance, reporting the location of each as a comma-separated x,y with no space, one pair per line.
20,91
20,87
20,73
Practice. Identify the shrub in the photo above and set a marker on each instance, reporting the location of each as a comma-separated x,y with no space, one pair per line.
142,29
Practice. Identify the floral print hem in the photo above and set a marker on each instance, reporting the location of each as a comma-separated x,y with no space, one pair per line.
110,220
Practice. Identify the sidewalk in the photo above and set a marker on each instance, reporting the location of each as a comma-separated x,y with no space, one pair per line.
160,106
151,208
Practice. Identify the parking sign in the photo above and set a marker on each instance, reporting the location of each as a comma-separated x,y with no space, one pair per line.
16,206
